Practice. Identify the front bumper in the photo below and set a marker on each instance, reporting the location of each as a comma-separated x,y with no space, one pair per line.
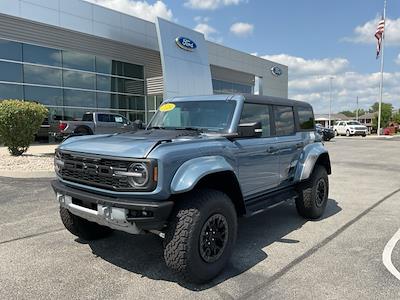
125,214
358,132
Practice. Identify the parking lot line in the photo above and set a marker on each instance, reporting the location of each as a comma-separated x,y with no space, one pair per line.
387,255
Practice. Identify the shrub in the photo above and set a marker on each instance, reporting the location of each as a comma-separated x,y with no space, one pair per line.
19,122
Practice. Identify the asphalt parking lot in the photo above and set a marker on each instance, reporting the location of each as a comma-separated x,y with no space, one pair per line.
278,255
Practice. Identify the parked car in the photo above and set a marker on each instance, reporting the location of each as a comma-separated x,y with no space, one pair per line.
350,128
95,123
326,133
201,163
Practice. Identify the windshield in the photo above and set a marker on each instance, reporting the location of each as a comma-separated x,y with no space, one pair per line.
213,115
353,123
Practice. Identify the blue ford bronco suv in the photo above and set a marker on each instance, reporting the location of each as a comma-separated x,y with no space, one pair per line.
201,163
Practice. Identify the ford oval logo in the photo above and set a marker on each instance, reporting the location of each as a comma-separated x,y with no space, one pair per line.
276,71
185,43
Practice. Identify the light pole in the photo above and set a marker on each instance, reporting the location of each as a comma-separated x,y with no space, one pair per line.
330,100
357,110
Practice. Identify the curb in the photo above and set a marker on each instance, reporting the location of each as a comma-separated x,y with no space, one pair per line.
28,175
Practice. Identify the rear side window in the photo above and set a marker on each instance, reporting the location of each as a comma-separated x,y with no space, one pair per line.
87,117
284,120
306,118
104,118
253,113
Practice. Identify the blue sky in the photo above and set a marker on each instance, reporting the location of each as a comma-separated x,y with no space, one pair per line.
316,39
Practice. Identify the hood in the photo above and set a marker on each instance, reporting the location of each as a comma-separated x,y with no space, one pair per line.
134,145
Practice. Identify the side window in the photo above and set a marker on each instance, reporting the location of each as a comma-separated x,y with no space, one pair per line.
103,118
87,117
257,113
306,118
117,119
284,120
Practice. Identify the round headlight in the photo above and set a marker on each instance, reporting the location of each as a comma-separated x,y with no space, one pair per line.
139,176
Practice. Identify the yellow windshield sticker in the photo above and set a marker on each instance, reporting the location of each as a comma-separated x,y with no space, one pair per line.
167,107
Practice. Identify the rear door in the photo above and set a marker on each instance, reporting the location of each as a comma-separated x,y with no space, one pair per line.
105,124
289,141
257,156
121,123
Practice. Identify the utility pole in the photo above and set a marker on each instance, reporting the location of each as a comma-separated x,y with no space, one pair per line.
330,101
357,110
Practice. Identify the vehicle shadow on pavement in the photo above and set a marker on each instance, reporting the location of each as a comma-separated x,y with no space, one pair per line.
143,254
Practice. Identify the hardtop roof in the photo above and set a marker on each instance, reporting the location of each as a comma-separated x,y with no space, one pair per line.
246,97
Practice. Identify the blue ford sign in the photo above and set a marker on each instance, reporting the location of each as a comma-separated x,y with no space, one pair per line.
185,43
276,71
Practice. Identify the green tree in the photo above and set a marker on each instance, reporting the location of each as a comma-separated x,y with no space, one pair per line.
348,113
385,114
19,122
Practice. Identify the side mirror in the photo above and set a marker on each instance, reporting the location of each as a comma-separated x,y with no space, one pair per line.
138,123
250,130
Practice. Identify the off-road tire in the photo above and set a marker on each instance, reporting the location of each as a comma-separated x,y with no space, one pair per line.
182,240
307,203
82,228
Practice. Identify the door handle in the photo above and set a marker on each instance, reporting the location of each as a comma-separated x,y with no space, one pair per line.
299,145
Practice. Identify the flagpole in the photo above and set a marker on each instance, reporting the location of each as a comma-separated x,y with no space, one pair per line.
382,65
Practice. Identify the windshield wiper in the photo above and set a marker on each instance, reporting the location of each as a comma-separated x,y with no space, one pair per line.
190,128
156,127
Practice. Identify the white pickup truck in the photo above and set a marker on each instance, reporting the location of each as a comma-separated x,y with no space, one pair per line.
350,128
96,123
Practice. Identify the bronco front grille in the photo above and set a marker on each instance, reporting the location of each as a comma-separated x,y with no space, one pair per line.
92,171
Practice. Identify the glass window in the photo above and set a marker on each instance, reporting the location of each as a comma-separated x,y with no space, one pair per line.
79,98
103,83
10,50
306,117
87,117
42,75
103,118
284,120
78,60
78,79
41,55
10,72
159,100
206,115
103,100
151,102
11,91
135,103
74,114
44,95
133,116
103,65
133,87
131,70
253,113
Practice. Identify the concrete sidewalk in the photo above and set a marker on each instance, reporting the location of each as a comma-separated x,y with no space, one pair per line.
37,162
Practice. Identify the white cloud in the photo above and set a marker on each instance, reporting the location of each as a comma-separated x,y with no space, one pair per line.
364,34
309,81
210,33
140,9
397,60
299,66
242,29
210,4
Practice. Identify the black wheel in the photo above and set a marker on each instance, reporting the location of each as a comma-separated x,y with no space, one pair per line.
83,131
82,228
201,235
347,133
364,135
313,194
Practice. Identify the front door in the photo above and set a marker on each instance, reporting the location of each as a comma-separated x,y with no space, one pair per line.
257,156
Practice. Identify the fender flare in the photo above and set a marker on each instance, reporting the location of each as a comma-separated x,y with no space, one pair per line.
308,159
193,170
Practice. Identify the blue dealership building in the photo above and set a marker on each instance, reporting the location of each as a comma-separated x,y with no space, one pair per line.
74,56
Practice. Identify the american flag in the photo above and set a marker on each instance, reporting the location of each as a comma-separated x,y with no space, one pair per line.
379,36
